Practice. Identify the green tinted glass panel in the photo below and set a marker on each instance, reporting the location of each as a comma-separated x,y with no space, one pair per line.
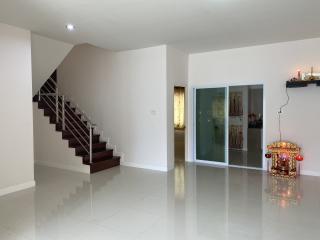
210,124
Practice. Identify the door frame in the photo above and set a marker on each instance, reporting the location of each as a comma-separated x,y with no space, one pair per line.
226,122
194,142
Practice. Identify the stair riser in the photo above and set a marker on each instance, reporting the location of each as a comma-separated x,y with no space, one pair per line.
69,118
72,124
51,104
72,127
97,167
74,143
82,152
73,120
78,133
105,156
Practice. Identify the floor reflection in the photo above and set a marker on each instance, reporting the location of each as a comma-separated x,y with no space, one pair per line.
191,202
284,192
179,180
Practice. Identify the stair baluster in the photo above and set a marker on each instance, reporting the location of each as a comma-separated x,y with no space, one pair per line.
63,114
75,125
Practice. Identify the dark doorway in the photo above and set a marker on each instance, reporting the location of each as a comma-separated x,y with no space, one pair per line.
179,125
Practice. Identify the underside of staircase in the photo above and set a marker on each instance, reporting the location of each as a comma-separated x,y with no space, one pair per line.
76,131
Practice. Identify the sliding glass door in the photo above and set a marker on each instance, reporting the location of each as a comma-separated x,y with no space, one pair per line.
246,126
211,124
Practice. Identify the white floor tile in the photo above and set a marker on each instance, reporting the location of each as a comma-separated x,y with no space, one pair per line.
191,203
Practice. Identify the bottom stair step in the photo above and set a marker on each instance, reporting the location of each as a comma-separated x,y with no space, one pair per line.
106,164
98,156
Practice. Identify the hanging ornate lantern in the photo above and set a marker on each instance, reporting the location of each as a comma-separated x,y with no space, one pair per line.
299,158
268,155
284,157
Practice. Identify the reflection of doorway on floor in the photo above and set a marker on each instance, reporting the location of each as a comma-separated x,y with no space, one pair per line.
179,125
179,145
245,125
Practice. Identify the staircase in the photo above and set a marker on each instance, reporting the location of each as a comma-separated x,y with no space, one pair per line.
76,127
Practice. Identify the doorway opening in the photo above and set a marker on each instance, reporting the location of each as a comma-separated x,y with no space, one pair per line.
179,125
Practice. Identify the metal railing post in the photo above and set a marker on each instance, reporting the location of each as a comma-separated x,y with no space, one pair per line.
63,114
90,144
57,105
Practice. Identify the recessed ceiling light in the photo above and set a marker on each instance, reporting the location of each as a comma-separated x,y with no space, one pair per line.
70,27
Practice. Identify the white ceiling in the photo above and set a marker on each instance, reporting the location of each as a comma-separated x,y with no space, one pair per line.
191,25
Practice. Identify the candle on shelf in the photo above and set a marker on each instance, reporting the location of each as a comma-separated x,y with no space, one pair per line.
311,78
299,74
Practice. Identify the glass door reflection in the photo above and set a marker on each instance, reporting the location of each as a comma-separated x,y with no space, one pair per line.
210,124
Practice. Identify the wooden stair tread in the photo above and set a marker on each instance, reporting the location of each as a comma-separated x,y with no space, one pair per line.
99,156
96,147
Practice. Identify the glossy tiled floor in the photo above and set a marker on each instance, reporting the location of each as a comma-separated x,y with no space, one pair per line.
194,203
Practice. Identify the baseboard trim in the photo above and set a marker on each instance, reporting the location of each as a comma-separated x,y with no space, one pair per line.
81,169
310,173
144,166
16,188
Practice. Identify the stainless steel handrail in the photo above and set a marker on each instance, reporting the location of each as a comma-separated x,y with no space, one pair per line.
75,120
74,127
71,107
80,111
75,105
84,139
84,147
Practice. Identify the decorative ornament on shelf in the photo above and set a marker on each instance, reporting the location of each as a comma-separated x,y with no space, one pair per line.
296,78
304,79
299,75
311,76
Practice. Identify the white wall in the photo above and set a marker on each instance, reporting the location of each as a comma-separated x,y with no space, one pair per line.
47,54
125,94
49,147
177,75
271,65
16,138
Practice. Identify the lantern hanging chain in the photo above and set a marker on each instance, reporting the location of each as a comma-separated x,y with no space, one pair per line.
280,112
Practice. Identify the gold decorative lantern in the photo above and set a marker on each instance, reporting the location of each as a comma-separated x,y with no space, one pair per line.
284,159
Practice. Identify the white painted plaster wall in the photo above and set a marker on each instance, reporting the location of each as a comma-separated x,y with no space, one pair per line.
47,54
125,94
16,138
270,65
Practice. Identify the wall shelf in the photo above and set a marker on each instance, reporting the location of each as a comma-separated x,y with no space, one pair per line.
298,84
